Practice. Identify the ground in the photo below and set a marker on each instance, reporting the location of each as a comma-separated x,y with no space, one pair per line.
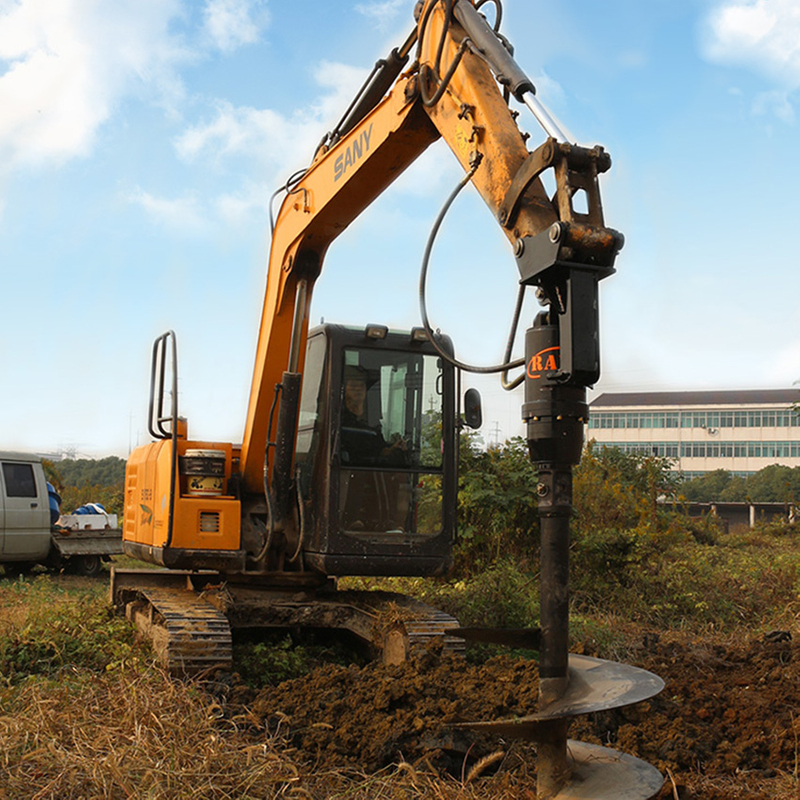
79,725
724,727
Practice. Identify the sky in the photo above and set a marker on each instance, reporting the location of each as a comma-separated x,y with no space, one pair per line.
140,141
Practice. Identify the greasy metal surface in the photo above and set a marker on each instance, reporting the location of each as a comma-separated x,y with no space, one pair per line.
599,773
195,612
597,685
198,636
131,581
594,685
435,625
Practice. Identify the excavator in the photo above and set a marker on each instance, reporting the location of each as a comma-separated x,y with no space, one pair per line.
347,465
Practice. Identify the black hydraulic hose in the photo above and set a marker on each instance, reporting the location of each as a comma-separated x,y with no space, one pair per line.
432,100
448,11
302,515
270,526
289,187
422,290
511,336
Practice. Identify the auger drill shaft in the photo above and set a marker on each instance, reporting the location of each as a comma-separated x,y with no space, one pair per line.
554,410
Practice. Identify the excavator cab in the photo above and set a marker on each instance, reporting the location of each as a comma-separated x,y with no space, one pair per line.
374,486
376,453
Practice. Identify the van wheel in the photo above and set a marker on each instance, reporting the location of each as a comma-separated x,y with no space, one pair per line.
88,566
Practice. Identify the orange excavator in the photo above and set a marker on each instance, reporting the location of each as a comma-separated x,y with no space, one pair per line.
348,460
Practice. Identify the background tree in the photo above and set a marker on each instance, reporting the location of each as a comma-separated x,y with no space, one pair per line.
497,507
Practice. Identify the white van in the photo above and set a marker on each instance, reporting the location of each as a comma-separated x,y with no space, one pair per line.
26,536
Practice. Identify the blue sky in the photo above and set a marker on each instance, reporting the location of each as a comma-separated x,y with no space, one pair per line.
140,141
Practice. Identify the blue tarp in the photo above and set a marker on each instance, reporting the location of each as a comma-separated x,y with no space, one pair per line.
90,508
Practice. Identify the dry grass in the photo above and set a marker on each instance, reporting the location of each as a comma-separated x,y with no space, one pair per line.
137,734
131,734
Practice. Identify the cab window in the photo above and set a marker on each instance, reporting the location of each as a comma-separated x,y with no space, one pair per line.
19,480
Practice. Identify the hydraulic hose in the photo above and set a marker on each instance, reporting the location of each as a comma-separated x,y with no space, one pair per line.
422,291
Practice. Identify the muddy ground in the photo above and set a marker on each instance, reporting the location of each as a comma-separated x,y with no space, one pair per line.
725,726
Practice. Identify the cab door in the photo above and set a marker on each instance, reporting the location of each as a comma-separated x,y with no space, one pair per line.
26,528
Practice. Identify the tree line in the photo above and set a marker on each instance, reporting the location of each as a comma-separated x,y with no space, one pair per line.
773,484
84,480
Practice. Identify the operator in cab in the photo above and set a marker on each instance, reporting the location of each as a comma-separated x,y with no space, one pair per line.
362,443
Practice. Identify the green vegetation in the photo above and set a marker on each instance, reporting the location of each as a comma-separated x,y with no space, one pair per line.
85,712
101,472
497,507
773,484
633,558
63,629
89,481
267,659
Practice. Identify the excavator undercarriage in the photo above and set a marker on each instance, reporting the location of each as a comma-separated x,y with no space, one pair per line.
189,616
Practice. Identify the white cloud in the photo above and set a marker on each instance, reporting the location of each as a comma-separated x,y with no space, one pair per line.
68,62
279,143
231,23
383,12
182,213
263,134
235,208
761,34
775,102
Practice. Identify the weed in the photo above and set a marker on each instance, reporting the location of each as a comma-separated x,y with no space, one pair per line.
62,629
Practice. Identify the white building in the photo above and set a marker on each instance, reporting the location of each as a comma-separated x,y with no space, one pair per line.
740,431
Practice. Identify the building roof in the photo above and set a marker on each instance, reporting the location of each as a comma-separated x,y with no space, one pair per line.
782,397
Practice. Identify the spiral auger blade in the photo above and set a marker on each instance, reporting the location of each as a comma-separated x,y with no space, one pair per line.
593,771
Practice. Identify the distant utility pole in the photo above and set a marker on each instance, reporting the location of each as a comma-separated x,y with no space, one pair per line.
495,433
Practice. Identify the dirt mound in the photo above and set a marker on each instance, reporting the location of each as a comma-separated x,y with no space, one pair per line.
727,710
727,713
372,716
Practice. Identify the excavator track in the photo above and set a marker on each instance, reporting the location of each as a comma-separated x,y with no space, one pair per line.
189,617
191,635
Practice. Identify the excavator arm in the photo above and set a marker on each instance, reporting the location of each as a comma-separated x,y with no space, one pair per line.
455,90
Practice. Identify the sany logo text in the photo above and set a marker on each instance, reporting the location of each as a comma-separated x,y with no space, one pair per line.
352,154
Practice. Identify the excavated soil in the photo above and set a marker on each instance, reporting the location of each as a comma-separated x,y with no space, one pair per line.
725,726
373,716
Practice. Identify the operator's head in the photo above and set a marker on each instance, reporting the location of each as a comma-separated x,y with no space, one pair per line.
355,389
